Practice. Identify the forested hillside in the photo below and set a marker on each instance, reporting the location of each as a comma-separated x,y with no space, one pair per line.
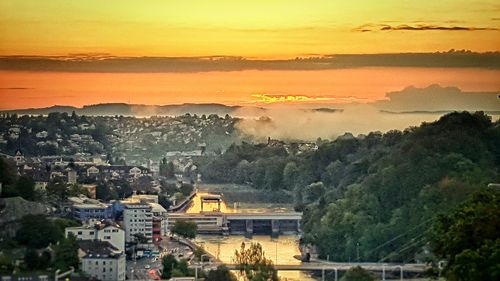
379,193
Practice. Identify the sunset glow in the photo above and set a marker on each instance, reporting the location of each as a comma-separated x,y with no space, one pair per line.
171,52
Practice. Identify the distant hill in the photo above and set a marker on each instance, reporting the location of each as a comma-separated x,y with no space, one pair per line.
132,109
111,109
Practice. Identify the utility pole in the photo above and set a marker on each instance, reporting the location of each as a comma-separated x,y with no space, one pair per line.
357,250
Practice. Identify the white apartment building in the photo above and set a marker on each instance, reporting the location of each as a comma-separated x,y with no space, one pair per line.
138,219
106,231
102,261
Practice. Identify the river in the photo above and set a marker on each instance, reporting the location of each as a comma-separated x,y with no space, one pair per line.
280,250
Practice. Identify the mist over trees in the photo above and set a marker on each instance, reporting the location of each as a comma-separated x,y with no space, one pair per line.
377,194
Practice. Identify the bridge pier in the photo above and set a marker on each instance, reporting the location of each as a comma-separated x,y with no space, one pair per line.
275,228
248,228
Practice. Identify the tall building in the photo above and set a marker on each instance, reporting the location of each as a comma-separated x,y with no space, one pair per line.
159,214
100,260
105,230
72,176
138,221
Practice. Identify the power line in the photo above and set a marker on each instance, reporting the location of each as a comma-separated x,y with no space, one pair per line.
399,236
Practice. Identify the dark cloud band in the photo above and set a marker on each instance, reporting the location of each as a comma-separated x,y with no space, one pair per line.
88,63
419,27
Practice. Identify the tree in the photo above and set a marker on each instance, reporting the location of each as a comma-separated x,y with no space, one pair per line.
253,263
290,174
103,192
222,273
66,253
31,259
163,201
58,188
167,168
186,189
468,239
37,232
169,263
314,191
357,274
185,229
76,189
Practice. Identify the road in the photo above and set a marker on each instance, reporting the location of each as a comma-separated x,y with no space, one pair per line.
140,272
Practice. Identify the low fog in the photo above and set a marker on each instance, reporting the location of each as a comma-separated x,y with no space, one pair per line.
297,124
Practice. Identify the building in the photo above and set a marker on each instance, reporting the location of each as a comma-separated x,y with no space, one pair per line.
100,260
72,176
159,222
138,220
105,230
97,210
159,214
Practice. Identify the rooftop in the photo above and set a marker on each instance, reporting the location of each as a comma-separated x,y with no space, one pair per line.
98,249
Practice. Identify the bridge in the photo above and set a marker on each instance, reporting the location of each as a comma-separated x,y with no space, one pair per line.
275,223
312,266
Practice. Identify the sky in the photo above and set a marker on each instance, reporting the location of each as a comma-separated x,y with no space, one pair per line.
71,52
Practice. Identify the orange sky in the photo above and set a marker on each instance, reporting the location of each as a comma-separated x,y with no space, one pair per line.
40,89
247,28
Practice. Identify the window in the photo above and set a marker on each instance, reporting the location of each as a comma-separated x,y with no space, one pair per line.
104,262
79,233
107,237
91,233
103,269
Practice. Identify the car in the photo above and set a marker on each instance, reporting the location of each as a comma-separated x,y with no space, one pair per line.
147,266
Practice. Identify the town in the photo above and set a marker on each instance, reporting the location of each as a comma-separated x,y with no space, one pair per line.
110,182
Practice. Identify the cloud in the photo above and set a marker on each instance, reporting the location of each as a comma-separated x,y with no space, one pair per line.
419,27
108,63
438,98
274,98
16,88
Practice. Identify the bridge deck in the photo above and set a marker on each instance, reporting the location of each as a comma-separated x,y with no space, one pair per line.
345,266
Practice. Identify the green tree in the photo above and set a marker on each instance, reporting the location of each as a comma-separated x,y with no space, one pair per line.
58,188
290,175
253,263
31,259
169,263
104,192
6,264
66,253
467,238
185,229
36,231
222,273
357,274
26,187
